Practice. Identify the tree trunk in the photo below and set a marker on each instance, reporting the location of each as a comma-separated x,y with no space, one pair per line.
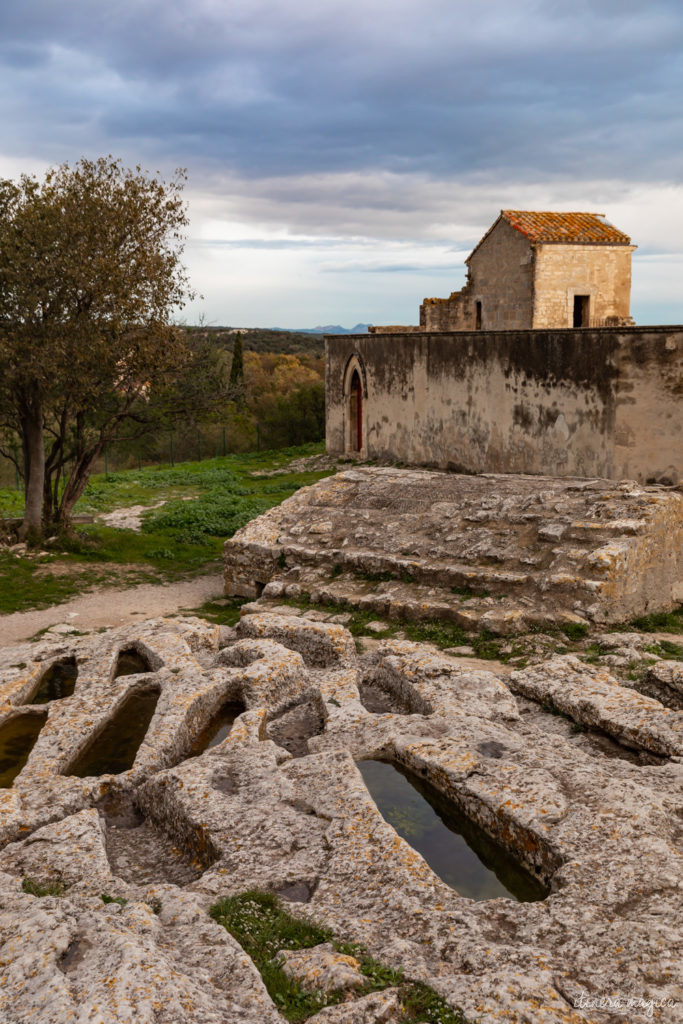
34,462
76,483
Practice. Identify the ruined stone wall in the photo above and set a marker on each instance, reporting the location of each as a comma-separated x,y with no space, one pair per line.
566,403
456,313
562,271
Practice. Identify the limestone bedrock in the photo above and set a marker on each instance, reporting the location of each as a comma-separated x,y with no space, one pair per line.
499,552
600,829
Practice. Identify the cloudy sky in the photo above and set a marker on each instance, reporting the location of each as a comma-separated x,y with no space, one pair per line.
344,156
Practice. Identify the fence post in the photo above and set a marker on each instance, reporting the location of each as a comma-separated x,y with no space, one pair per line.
199,446
106,461
224,440
139,458
172,461
258,437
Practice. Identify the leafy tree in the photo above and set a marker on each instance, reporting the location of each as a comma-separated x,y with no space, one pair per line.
90,271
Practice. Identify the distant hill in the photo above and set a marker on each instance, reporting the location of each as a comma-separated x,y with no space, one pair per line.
334,329
264,339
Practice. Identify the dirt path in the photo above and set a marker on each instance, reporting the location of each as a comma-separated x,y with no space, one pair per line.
112,607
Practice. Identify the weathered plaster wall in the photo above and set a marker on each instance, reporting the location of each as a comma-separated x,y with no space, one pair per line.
567,403
563,271
648,425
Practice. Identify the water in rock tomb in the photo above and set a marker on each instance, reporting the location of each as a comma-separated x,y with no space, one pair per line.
456,849
58,682
17,739
217,729
114,748
130,662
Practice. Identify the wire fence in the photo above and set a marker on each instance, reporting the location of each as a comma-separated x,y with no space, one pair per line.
166,448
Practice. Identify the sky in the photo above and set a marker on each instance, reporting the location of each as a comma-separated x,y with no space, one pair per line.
345,156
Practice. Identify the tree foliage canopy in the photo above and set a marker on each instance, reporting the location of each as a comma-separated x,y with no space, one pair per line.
90,273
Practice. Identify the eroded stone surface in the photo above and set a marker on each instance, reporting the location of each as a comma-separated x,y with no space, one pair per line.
592,697
322,969
602,831
491,551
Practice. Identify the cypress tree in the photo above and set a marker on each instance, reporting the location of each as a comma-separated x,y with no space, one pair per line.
236,383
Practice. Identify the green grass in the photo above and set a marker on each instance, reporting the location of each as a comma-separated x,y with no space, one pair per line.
22,585
658,622
223,612
575,630
34,888
179,540
672,651
106,898
11,503
262,926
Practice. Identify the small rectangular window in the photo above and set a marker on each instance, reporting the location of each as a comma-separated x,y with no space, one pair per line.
477,316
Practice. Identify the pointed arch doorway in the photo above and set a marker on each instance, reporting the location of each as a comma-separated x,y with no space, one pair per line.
356,413
355,391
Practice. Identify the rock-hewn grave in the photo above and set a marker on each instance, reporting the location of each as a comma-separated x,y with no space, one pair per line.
490,551
279,804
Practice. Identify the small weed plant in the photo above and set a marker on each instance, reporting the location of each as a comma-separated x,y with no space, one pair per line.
35,888
106,898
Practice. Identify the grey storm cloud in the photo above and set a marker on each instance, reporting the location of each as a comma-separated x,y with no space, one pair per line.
265,88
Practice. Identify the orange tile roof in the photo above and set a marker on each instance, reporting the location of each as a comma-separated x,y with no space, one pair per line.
577,228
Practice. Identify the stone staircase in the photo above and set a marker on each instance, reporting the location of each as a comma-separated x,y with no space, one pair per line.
494,551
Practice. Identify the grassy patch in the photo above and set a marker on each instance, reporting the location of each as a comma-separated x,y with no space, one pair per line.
263,927
106,898
223,612
181,539
11,503
24,584
467,594
658,622
575,630
34,888
421,1003
592,655
670,650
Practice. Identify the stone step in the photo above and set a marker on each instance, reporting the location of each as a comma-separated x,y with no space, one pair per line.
412,601
604,551
451,580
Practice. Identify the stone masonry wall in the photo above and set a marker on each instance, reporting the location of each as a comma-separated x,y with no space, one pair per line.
562,271
502,273
500,278
566,403
456,313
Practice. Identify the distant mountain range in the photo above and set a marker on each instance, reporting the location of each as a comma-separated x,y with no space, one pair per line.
330,329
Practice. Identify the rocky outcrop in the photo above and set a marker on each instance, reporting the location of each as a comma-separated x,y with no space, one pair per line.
488,552
599,829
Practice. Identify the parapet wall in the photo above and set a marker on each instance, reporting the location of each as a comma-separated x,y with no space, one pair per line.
591,403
